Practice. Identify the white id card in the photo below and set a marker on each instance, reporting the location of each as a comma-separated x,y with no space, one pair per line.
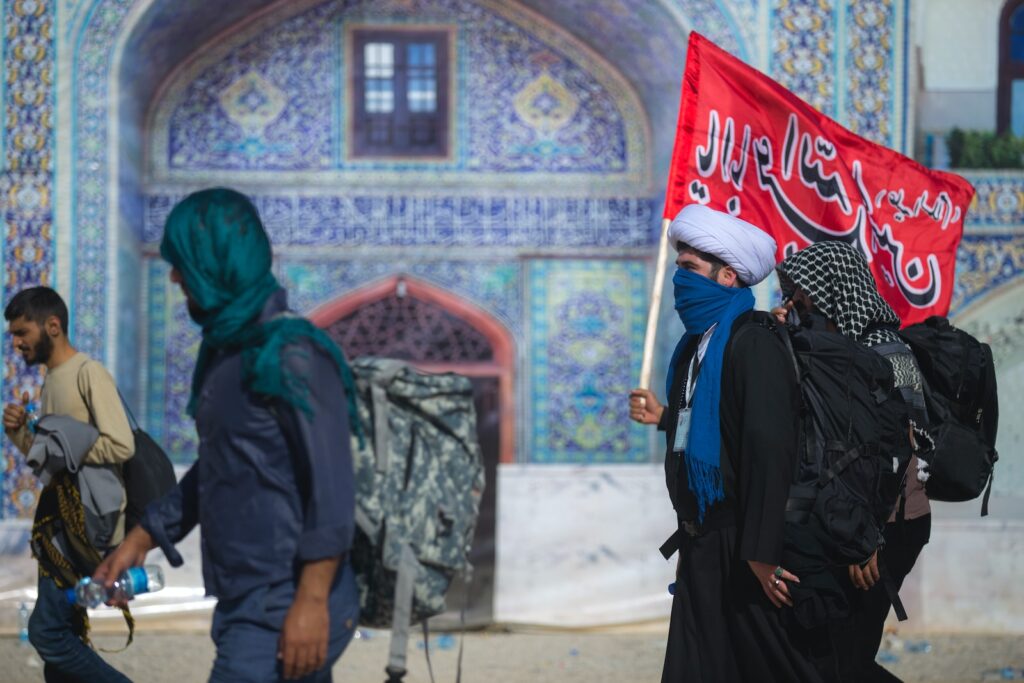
682,431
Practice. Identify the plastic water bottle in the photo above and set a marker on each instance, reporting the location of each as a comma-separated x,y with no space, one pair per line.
31,416
23,615
134,581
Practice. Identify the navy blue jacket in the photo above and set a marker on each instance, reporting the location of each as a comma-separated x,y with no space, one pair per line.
272,488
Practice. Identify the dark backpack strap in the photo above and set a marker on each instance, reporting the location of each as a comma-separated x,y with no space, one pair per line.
901,510
988,397
964,358
768,322
783,334
670,546
890,348
988,492
889,584
877,326
847,457
800,503
132,423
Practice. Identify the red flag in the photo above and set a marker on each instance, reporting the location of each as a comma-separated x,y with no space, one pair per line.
746,145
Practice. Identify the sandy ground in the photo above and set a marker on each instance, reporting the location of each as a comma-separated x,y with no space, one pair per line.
623,656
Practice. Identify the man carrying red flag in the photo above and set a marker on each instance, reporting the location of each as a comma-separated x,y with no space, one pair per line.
729,460
747,146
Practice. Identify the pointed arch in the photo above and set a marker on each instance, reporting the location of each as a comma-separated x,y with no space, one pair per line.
485,347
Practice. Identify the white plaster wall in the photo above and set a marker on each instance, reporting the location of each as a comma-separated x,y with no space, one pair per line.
959,43
578,546
958,58
968,577
999,321
183,594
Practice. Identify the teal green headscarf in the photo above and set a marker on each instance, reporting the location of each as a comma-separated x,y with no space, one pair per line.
216,241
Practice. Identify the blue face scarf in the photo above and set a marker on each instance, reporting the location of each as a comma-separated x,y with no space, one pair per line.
701,303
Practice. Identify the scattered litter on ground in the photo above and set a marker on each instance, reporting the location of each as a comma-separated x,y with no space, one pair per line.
1007,673
892,643
445,641
919,646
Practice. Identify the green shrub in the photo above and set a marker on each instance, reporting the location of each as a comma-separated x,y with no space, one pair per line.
981,149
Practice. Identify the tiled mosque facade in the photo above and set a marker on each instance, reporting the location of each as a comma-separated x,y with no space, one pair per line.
541,217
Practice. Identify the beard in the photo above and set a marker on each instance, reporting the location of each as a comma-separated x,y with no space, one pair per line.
197,314
41,352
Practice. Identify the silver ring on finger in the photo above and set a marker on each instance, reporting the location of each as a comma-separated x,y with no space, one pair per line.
775,582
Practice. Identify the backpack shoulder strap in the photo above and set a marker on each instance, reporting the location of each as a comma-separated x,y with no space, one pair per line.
891,348
133,424
767,321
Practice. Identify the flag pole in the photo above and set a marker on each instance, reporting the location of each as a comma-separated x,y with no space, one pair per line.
652,315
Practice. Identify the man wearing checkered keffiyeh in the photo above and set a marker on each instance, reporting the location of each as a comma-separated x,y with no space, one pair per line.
832,279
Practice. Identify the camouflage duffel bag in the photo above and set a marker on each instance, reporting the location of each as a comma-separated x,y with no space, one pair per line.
419,480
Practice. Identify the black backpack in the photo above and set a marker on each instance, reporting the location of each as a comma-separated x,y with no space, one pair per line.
854,447
963,410
854,443
148,474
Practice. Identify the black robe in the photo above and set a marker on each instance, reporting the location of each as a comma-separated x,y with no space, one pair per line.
723,627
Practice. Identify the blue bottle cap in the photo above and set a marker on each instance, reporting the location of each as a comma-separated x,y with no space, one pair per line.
139,579
672,588
70,595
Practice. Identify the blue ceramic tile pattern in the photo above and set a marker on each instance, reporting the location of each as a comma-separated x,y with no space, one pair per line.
871,69
26,200
466,221
999,199
275,103
985,263
842,55
803,50
587,321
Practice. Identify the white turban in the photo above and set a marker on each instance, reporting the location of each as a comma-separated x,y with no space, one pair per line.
745,247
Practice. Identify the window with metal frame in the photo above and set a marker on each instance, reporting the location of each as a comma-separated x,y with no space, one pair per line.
1010,106
400,94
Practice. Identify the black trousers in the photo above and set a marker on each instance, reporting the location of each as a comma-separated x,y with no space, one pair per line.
843,650
723,628
901,550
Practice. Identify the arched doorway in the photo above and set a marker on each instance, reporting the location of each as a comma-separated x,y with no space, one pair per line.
407,319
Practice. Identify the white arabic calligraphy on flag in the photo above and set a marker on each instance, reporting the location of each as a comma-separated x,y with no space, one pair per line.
748,146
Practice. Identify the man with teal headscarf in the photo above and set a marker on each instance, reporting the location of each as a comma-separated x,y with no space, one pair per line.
731,427
273,487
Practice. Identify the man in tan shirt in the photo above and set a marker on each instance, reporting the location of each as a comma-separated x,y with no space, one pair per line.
79,387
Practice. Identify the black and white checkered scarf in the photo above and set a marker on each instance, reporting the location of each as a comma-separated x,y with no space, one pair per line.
836,277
